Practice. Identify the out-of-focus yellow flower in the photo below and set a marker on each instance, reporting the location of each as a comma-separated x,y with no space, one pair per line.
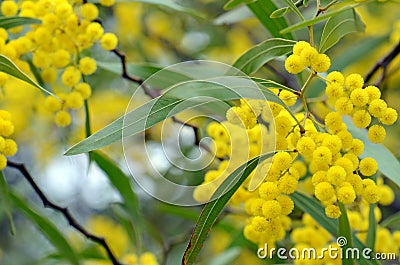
114,234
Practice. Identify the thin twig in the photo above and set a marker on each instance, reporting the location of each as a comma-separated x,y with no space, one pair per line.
197,136
323,9
127,76
304,100
195,128
71,220
383,63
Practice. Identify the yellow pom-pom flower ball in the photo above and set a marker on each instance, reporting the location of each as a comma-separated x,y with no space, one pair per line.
376,134
368,166
62,118
332,211
109,41
294,64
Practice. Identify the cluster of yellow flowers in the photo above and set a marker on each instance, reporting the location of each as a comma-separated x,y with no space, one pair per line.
248,132
304,55
8,147
367,109
327,153
311,235
57,46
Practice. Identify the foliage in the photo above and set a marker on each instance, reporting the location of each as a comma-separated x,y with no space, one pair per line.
245,125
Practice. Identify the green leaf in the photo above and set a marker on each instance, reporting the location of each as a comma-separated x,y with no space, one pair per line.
227,257
234,3
238,240
175,100
272,84
212,209
145,71
163,3
253,59
392,221
355,52
142,71
371,235
47,228
316,210
294,8
5,198
15,21
388,164
121,182
262,9
191,215
345,232
233,16
139,118
130,201
315,20
181,212
338,26
280,12
91,252
170,4
8,67
291,7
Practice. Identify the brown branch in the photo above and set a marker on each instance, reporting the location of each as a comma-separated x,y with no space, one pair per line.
383,63
197,136
196,129
64,211
127,76
322,10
